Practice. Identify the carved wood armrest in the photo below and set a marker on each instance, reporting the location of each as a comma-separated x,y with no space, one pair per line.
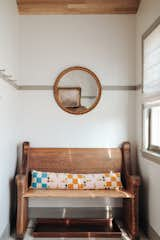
22,182
133,183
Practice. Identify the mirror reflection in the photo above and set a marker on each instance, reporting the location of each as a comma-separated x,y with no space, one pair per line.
77,90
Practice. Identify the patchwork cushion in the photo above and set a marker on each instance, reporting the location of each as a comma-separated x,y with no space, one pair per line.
49,180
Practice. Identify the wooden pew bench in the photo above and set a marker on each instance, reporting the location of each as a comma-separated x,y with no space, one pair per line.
78,160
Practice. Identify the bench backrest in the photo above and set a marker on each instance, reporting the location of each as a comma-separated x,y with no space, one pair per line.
73,160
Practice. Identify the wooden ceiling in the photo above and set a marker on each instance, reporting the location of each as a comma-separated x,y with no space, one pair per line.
46,7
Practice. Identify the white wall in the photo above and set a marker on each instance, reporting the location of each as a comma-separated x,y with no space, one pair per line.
8,106
149,11
106,45
44,124
9,37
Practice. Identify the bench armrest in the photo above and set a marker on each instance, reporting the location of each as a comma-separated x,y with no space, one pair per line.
22,182
133,183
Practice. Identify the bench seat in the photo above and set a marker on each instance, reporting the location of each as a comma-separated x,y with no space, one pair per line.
49,193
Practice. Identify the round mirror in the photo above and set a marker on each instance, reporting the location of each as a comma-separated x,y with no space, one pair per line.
77,90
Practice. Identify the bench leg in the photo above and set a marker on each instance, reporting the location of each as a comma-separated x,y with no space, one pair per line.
22,214
130,207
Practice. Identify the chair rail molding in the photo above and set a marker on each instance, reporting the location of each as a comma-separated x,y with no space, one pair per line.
50,87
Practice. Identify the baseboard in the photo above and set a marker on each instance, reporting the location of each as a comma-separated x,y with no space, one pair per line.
152,234
5,234
148,230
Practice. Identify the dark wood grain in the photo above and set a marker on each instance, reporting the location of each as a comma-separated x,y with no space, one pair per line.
25,155
76,228
75,160
130,206
22,205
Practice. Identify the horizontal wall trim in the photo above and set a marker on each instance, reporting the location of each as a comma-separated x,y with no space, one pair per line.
11,83
148,230
35,87
49,87
104,88
152,234
118,88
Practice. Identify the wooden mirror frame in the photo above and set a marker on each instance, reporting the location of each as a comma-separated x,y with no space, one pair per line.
60,76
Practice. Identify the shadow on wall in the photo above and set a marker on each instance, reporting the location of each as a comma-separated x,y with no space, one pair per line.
143,200
13,196
144,205
13,191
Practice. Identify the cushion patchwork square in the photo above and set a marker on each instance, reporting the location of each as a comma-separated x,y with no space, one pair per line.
48,180
39,179
74,181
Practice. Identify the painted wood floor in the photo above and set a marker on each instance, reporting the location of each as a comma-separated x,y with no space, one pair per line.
29,237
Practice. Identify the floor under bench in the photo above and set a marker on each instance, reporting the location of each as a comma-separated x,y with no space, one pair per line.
68,212
28,235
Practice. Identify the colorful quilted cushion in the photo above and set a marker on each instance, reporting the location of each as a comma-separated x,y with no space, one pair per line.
48,180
